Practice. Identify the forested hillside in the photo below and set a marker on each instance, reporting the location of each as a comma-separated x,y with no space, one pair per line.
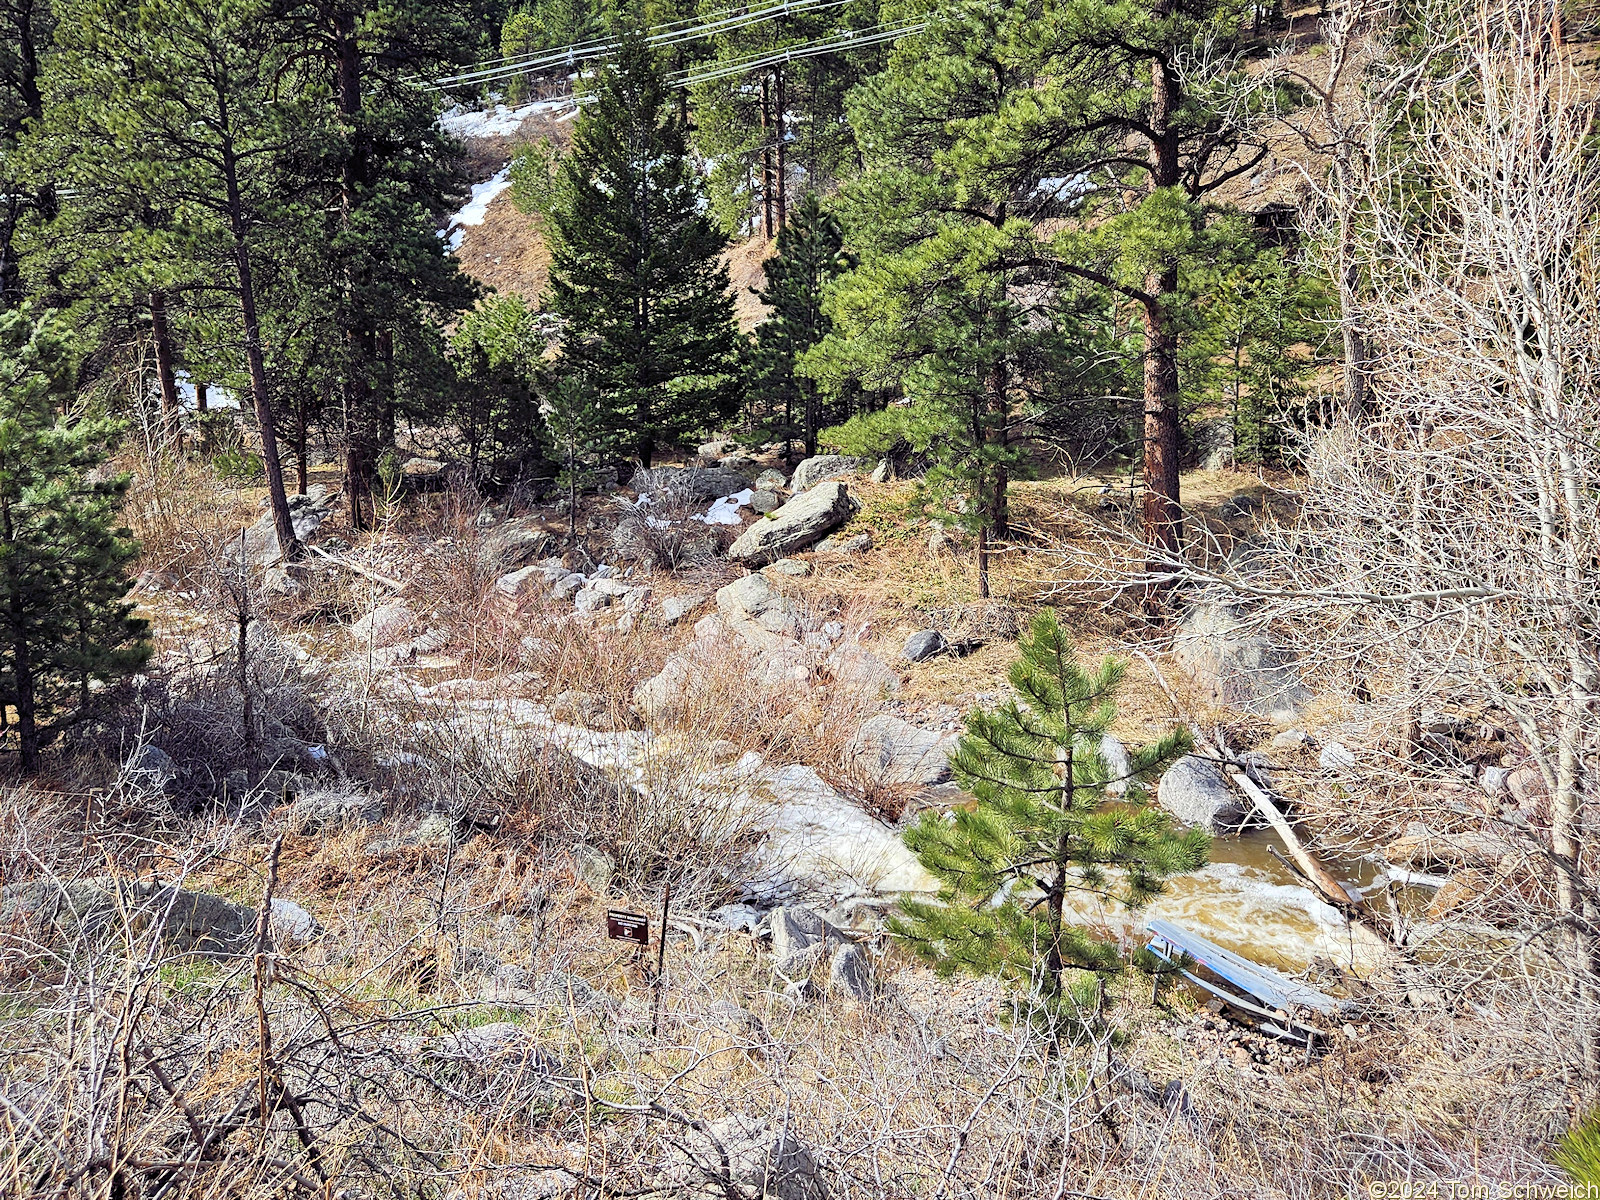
818,598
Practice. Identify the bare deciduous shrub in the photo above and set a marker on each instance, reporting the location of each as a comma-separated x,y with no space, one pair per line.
667,529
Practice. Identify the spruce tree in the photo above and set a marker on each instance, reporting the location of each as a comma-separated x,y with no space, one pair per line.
810,254
1043,826
635,270
64,619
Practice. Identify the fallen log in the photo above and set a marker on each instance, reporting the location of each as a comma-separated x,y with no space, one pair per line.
1319,876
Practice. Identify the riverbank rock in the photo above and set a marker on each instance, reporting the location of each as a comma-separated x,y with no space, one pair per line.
1337,759
813,471
887,750
1420,846
292,926
1237,667
859,670
594,868
800,940
747,1158
1195,791
676,608
923,645
749,599
307,511
188,923
151,767
850,974
386,625
334,808
513,544
858,544
1118,767
796,525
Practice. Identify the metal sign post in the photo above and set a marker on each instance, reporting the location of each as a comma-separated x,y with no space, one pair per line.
661,959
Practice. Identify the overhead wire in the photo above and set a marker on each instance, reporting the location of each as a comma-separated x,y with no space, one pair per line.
670,34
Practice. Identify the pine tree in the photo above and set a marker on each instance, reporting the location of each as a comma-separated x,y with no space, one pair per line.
1156,112
635,273
1043,826
946,309
186,101
1251,321
496,353
25,43
64,619
579,437
810,254
365,265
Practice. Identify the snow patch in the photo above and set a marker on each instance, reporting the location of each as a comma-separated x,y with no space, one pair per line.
477,207
726,510
216,395
1063,189
499,121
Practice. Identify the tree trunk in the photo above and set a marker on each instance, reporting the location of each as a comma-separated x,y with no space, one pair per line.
301,436
22,680
983,562
288,544
164,372
202,398
21,662
813,420
1582,926
766,159
356,389
1163,515
782,151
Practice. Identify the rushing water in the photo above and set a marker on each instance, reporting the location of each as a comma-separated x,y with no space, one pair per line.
1246,900
1249,902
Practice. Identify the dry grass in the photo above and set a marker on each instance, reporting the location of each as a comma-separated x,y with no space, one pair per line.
926,1091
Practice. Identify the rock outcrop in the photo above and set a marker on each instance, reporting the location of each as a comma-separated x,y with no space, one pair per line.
513,544
690,483
307,511
744,1158
386,625
798,524
1239,668
1195,791
887,750
106,909
813,471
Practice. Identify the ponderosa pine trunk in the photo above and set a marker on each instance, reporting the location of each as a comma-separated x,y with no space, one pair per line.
1163,513
278,499
782,154
165,374
25,699
360,460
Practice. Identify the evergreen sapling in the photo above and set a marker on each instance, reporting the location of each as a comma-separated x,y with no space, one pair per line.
1046,824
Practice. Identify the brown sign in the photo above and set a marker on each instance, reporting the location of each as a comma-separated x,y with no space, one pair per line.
624,926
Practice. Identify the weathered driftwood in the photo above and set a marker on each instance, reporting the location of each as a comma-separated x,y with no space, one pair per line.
1320,877
368,572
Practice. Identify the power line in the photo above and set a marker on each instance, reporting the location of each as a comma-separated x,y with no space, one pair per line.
855,40
670,34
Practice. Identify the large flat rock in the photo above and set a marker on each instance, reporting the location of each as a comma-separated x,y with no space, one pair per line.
798,524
